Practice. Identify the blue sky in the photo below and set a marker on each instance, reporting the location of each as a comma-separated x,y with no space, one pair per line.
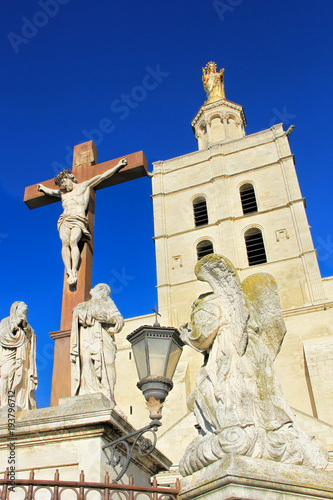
68,66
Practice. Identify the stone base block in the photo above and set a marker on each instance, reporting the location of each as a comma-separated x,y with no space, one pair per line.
69,437
245,478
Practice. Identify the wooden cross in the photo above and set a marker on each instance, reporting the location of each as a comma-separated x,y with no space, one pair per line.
84,167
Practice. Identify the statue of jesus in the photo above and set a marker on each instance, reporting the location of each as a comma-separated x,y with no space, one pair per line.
73,223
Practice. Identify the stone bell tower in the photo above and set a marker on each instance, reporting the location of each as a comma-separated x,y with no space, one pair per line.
238,196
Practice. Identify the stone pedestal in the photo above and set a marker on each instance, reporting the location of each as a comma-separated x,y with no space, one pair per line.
245,478
69,437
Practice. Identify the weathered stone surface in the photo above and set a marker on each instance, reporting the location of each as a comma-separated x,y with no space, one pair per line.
93,348
69,437
18,373
263,302
238,401
235,477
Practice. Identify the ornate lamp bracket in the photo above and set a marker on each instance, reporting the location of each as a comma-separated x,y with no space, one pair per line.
120,452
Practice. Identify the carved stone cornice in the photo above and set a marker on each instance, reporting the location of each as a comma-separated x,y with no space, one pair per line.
215,105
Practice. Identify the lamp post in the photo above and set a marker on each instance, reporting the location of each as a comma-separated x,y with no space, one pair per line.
156,351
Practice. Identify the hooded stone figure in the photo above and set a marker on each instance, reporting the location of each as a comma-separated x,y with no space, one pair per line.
18,374
93,348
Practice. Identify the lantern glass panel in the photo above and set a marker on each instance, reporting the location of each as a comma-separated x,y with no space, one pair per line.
174,356
139,351
158,350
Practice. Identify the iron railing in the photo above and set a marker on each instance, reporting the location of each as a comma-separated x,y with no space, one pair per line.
42,489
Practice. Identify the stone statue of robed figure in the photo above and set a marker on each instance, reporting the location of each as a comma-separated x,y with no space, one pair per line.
93,348
18,374
73,223
238,401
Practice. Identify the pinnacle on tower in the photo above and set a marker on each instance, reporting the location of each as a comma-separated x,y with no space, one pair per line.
218,120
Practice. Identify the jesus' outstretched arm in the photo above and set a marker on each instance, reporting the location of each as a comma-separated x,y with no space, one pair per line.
99,178
48,191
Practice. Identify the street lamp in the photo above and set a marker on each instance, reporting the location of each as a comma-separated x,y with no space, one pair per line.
156,350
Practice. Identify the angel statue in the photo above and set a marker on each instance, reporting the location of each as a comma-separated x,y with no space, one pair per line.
238,401
213,82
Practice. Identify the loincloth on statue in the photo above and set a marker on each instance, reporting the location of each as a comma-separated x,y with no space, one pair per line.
71,221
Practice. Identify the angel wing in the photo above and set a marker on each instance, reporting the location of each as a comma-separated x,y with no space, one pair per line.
263,301
219,272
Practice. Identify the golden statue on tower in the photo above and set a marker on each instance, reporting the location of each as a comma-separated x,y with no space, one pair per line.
213,82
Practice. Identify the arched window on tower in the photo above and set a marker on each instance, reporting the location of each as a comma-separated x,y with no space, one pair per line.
200,212
205,247
248,199
255,247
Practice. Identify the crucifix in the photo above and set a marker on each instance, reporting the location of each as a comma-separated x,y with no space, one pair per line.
87,174
156,314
